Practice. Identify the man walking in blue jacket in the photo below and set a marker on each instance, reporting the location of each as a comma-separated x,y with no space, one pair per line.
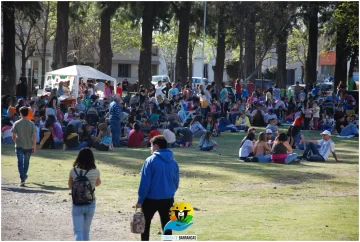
159,182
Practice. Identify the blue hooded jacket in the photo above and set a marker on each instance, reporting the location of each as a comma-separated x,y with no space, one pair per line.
159,176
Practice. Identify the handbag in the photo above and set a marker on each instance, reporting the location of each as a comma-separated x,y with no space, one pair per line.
137,225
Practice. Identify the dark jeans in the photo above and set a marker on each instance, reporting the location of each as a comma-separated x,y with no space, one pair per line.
307,123
115,131
315,153
101,147
149,208
224,109
23,156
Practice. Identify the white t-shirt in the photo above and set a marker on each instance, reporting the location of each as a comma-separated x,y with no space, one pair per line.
91,91
245,149
169,136
326,147
158,91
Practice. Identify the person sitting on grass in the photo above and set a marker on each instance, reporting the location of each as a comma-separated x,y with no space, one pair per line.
282,152
225,125
196,127
206,142
262,150
71,140
136,137
169,135
242,122
326,146
273,127
185,136
103,141
153,132
247,146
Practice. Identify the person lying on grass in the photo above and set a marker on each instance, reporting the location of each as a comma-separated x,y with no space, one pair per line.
326,146
206,142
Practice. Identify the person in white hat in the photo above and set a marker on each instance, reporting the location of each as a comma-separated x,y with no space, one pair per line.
327,146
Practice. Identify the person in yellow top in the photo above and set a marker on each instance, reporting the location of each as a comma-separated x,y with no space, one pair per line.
242,122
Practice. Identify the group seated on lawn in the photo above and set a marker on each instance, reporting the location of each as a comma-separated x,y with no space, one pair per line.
182,114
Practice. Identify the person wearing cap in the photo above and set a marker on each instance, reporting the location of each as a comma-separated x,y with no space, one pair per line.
326,146
273,127
115,119
269,133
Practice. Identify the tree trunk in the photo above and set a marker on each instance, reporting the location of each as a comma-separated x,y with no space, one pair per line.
61,38
303,71
148,18
220,53
105,44
181,69
281,47
8,61
250,37
341,57
45,40
241,38
353,61
191,51
311,61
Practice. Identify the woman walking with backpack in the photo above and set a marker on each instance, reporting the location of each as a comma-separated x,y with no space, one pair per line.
82,181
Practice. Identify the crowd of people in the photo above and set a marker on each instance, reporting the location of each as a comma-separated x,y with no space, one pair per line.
169,117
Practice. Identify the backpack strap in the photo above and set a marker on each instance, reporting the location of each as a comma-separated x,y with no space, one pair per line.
77,174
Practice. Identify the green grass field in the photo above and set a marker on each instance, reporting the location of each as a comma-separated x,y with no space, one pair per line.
232,200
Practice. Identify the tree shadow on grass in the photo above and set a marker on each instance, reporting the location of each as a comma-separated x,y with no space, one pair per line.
24,190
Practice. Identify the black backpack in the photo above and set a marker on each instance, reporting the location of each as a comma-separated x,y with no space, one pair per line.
82,192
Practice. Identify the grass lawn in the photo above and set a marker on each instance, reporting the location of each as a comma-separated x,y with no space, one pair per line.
232,200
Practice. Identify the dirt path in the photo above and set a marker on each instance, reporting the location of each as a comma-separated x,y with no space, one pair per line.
33,214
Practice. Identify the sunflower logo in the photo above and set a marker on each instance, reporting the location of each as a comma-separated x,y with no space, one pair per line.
181,212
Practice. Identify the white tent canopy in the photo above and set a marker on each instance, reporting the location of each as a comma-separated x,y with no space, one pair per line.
73,74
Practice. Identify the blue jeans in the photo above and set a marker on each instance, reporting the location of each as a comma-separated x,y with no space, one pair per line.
349,130
79,147
207,148
82,217
301,146
115,131
264,158
233,117
315,153
7,141
232,129
204,112
23,156
290,157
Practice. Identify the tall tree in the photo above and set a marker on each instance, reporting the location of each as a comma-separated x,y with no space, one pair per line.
26,38
311,61
45,30
33,11
153,16
347,42
106,54
250,44
220,50
61,37
182,12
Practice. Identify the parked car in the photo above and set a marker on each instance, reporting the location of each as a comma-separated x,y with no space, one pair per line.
292,88
325,88
164,79
197,80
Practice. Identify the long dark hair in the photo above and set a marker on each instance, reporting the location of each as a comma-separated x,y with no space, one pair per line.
49,105
136,127
85,160
69,130
250,136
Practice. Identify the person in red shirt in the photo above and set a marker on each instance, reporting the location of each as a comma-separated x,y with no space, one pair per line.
136,137
119,89
153,132
299,121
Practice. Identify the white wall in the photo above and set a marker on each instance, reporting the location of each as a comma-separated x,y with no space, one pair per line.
297,67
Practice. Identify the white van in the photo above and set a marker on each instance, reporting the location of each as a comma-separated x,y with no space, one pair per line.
164,80
197,80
